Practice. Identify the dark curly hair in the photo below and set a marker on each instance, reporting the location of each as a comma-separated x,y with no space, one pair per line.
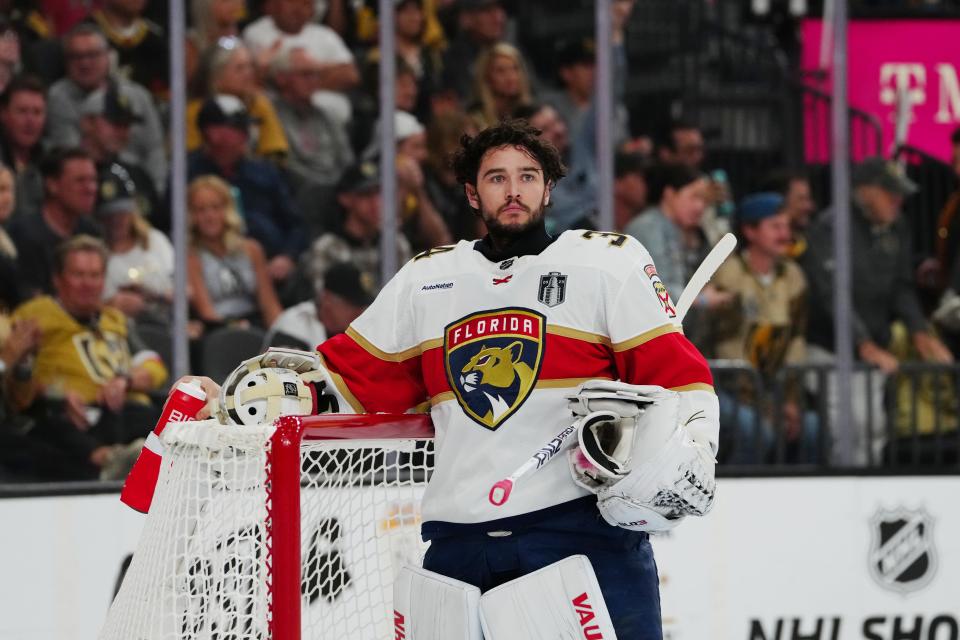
514,133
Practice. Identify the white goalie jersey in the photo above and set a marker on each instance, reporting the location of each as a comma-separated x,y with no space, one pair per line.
492,349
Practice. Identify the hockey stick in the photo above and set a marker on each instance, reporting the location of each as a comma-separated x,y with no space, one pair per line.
717,256
500,492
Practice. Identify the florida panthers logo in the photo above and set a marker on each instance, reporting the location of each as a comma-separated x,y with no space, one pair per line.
492,360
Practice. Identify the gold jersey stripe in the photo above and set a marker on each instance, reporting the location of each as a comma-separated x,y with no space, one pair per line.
577,334
564,383
696,386
646,336
342,388
370,348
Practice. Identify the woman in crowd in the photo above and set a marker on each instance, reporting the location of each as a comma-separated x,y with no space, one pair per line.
500,85
227,272
228,68
212,20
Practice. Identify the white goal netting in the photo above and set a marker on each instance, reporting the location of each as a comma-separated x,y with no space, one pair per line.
210,558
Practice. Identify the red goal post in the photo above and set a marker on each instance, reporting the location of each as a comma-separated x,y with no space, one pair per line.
277,531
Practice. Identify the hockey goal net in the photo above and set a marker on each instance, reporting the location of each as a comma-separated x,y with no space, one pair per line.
277,532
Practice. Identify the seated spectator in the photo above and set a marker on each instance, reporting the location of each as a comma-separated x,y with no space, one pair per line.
355,237
947,243
340,299
422,224
33,48
9,52
671,232
141,45
70,194
319,147
764,325
881,287
105,122
366,102
91,374
88,69
440,180
139,278
18,342
482,23
289,23
227,69
267,205
794,186
23,113
227,273
211,20
500,85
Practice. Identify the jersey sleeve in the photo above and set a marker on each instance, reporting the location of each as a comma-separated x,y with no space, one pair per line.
376,363
648,343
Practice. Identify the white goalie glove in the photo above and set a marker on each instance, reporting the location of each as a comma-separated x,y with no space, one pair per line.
276,383
648,453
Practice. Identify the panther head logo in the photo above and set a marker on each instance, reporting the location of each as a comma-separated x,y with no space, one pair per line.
492,360
499,374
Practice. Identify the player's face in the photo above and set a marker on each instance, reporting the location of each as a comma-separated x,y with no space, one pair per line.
24,117
80,284
76,188
771,236
511,192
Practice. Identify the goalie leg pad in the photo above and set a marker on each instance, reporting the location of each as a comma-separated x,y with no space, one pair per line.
429,606
562,600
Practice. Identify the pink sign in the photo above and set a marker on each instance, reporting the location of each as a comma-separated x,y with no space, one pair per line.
920,57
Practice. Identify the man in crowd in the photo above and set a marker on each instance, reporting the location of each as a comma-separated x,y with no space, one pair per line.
90,375
356,238
140,44
339,299
265,198
882,288
88,69
23,113
70,194
629,187
798,203
319,147
105,122
764,326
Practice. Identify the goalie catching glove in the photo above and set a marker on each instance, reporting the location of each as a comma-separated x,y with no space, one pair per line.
647,452
276,383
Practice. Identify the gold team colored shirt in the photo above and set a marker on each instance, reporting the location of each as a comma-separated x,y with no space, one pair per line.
82,357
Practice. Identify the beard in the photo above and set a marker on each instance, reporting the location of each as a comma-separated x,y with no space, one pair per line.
501,230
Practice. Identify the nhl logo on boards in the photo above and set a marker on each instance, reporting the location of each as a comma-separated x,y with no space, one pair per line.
553,289
902,556
492,360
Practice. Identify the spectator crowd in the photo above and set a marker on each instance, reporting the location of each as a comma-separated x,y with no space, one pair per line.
284,213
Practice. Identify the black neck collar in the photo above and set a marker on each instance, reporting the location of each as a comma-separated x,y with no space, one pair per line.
530,242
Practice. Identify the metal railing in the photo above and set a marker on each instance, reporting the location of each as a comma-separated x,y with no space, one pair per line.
905,421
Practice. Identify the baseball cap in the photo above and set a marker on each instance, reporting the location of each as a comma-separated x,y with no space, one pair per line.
360,177
758,206
224,109
116,192
111,103
886,174
348,282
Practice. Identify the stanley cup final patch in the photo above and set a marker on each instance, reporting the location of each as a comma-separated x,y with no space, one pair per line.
492,360
553,289
661,290
902,555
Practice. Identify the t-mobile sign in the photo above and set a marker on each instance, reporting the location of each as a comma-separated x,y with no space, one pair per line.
887,57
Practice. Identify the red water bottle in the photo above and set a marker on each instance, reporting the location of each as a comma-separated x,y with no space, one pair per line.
184,403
